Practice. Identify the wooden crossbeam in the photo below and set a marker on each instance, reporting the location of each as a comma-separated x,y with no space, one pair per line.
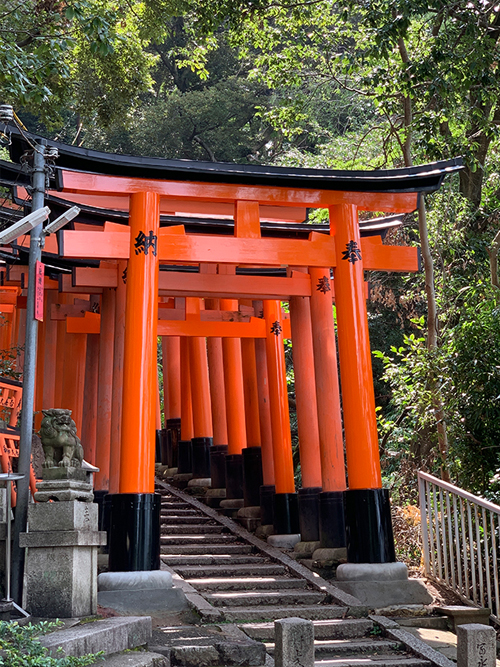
100,184
174,283
175,247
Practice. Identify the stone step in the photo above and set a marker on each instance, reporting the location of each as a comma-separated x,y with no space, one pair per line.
202,540
244,615
432,622
247,598
334,628
244,583
194,529
134,659
373,661
243,570
334,648
199,560
184,520
110,635
205,549
175,505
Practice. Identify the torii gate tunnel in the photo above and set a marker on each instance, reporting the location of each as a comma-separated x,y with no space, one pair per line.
209,255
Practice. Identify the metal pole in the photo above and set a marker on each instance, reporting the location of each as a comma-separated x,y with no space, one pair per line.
21,517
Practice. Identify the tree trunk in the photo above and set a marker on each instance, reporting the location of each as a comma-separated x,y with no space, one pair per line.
432,336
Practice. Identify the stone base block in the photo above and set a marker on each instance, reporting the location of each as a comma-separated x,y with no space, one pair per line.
305,549
202,482
65,515
372,572
328,558
249,524
64,490
378,594
216,493
460,615
251,512
476,646
287,542
264,530
232,503
140,592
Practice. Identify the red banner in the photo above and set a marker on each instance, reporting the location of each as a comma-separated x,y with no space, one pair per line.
39,275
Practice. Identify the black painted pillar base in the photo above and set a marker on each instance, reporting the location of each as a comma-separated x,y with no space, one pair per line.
173,436
158,434
309,513
266,493
234,476
185,457
286,514
218,466
134,536
252,476
164,446
368,525
201,457
99,496
331,520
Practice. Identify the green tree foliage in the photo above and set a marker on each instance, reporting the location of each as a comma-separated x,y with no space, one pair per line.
21,647
77,53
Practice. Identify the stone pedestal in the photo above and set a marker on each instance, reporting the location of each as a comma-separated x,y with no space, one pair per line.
294,643
476,646
62,543
381,584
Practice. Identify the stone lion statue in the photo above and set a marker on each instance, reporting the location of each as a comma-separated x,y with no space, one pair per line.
60,443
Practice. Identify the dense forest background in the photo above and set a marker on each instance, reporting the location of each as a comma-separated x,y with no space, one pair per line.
345,84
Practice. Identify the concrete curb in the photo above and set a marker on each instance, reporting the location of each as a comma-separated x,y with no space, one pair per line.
111,635
414,644
353,605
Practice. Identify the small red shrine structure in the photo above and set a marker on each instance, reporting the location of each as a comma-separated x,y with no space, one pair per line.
203,255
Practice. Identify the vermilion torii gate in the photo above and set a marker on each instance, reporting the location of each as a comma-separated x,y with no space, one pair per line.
146,187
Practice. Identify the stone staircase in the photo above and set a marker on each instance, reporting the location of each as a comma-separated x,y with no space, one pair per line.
250,584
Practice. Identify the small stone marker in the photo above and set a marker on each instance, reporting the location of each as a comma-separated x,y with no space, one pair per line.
476,645
294,643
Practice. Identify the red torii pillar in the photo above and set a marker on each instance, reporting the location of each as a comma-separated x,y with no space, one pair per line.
286,510
135,510
369,537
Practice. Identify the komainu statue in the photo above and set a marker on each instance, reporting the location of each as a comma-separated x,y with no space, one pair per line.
60,443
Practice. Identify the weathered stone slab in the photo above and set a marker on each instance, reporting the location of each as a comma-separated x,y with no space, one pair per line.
284,541
63,538
135,659
460,614
476,645
294,643
372,572
376,594
73,515
111,635
142,580
64,489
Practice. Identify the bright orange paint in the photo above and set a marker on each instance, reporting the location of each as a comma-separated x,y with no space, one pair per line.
266,433
89,183
105,388
73,377
200,388
280,418
139,361
251,392
327,382
50,348
217,390
231,287
117,396
187,428
358,401
171,375
233,382
305,391
89,426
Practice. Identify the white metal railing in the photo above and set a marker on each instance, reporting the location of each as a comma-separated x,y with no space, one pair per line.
460,537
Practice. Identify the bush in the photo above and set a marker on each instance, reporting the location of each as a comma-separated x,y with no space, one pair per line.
20,647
